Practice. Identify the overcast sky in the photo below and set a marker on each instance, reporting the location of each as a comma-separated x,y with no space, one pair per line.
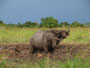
14,11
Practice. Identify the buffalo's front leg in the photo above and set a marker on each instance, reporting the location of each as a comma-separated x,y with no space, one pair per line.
33,50
46,50
45,45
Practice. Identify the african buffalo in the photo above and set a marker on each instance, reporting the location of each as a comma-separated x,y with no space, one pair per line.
47,40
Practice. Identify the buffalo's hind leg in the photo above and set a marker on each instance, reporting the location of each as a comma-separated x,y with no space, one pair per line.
51,50
32,49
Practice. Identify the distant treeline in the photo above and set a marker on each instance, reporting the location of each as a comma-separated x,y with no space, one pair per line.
48,22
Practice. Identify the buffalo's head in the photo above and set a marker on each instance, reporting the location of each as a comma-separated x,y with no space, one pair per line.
62,34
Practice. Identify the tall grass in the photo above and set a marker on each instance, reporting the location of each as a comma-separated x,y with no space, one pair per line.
16,35
78,35
47,63
23,35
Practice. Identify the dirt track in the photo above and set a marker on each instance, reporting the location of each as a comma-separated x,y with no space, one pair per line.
64,51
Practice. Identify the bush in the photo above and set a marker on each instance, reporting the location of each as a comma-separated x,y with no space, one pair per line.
49,22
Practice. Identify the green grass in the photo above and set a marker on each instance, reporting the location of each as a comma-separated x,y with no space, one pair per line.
18,35
78,35
47,63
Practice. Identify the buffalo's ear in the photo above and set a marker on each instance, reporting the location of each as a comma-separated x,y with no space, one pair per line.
68,30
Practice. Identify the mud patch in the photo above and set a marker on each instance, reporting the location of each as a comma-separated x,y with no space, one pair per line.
63,51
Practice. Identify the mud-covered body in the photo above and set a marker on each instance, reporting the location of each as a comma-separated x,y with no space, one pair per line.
44,40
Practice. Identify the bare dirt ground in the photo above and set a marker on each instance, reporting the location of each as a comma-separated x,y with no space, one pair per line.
63,51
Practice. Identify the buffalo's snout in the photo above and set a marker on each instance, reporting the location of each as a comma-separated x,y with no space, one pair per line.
64,37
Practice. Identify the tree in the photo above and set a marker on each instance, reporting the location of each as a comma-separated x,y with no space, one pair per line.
62,24
83,25
75,24
19,25
1,22
88,24
30,24
49,22
27,24
35,24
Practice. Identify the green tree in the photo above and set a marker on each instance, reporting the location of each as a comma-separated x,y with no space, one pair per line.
30,24
35,24
88,24
19,25
62,24
49,22
27,24
75,24
1,22
83,25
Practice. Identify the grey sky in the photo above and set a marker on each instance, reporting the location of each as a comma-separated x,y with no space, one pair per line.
15,11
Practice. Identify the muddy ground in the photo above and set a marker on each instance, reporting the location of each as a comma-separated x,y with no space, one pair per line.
63,51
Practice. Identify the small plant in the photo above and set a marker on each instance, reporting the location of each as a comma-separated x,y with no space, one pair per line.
3,65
